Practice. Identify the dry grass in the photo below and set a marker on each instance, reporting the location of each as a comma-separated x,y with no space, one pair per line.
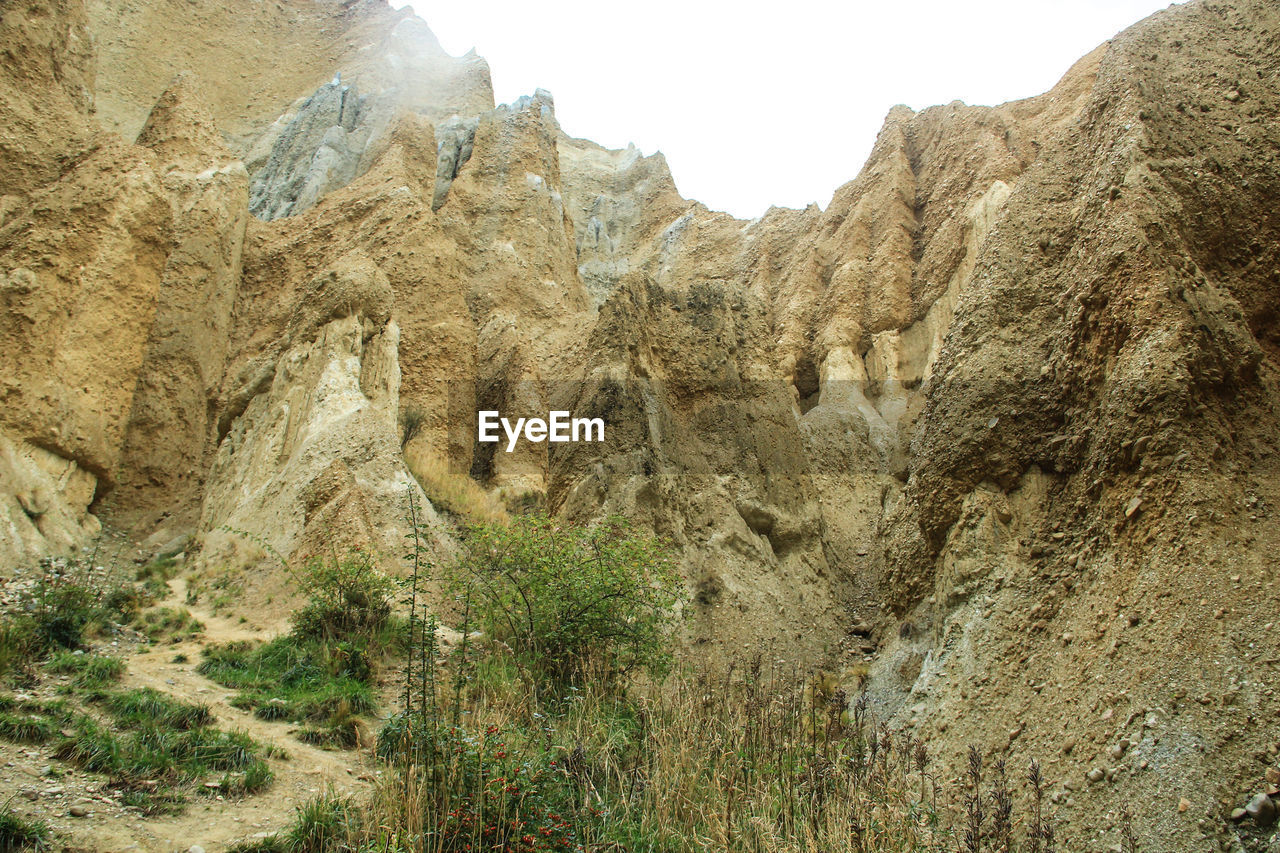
752,761
452,491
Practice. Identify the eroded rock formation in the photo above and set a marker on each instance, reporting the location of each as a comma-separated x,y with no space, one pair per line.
999,421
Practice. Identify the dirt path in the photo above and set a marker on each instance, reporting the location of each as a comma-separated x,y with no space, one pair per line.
210,822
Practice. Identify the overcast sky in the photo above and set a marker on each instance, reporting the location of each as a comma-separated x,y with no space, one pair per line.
756,104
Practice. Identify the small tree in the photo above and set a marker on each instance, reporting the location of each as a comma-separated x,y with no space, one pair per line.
564,596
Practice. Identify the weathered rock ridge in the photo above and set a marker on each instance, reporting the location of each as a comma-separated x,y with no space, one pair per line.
999,421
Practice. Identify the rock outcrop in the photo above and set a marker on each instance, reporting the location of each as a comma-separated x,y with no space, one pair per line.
998,423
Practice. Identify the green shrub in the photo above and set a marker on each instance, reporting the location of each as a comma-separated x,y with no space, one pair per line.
62,609
69,597
348,598
67,600
564,597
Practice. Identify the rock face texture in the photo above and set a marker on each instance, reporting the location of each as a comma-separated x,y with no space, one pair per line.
998,423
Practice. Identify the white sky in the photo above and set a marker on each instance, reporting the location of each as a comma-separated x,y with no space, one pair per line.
768,103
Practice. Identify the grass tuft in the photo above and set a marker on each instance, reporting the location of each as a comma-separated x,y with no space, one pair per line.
168,624
287,680
26,728
19,833
88,670
144,706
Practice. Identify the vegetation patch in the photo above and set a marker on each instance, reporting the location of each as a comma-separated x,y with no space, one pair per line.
220,589
168,624
322,673
19,833
55,609
571,600
322,824
155,576
453,492
286,680
21,727
87,670
155,762
151,745
552,732
135,709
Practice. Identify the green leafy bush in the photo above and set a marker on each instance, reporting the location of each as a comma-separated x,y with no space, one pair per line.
565,597
348,598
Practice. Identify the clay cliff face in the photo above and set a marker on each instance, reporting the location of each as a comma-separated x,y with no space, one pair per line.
999,422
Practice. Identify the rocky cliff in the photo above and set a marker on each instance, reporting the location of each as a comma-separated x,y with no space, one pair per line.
998,423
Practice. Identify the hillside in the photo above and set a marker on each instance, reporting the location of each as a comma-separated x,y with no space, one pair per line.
997,427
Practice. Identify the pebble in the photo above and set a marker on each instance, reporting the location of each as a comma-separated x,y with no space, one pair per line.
78,811
1118,751
1183,804
195,848
1273,776
1097,774
1262,809
1238,815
